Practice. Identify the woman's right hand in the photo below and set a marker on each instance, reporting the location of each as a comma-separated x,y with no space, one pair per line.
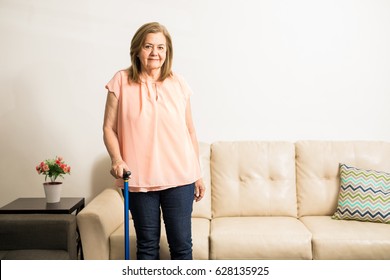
117,168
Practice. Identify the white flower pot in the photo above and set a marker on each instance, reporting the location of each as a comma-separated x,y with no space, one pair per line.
53,191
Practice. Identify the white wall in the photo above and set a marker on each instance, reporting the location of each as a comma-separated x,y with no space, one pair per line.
260,70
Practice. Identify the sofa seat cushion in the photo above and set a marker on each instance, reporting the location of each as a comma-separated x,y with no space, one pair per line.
34,255
341,239
259,238
200,240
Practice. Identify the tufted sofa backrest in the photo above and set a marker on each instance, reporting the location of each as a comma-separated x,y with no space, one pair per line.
253,179
317,164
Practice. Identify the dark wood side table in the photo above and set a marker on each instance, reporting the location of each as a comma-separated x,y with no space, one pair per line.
38,205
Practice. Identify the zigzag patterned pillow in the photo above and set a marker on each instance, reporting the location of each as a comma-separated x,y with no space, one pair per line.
364,195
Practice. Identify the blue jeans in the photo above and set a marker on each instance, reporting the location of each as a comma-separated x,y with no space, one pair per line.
176,206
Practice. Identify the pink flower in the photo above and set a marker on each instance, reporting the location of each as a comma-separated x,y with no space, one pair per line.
53,168
66,168
45,168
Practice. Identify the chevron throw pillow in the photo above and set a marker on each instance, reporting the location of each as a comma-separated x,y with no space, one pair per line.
364,195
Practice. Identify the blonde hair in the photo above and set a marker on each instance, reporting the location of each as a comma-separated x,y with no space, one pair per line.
138,41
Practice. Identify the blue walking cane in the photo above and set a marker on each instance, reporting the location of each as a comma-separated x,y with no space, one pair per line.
126,176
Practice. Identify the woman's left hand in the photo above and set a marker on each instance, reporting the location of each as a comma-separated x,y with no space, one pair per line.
200,190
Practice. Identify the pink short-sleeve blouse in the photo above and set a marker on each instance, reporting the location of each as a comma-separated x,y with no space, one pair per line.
152,132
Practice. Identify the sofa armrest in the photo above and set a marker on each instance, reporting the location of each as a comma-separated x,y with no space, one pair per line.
102,216
38,232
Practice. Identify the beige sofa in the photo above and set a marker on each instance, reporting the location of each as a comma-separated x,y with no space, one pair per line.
264,200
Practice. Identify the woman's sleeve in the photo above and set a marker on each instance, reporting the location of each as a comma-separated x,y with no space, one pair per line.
185,87
114,85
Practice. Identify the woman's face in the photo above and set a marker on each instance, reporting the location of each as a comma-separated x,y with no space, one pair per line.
153,52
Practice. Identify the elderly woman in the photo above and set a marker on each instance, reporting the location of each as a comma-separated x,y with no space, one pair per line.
148,129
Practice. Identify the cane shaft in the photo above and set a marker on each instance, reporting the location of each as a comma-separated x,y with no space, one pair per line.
126,215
